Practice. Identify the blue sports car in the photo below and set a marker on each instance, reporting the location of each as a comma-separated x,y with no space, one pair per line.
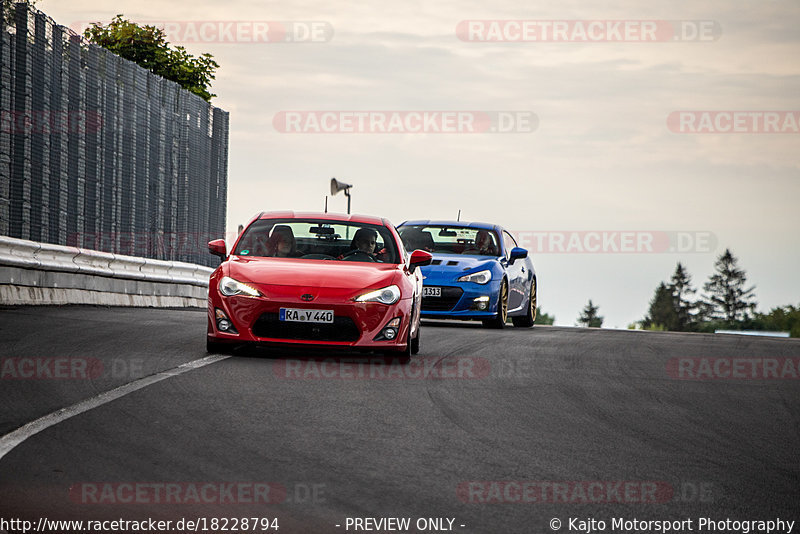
478,272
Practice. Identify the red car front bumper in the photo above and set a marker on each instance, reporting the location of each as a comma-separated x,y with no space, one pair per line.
356,324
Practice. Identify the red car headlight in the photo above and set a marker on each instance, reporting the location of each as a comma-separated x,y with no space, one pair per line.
385,295
230,287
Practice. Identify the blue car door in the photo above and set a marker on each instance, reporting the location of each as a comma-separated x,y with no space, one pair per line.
518,275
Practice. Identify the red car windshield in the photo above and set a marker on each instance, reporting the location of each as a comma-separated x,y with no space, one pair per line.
311,239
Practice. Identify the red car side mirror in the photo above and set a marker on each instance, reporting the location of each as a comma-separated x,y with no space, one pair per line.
420,258
218,248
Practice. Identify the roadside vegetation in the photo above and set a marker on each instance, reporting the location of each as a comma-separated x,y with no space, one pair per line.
726,303
147,46
590,316
8,9
544,318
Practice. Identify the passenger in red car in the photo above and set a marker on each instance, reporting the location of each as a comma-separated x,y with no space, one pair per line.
282,243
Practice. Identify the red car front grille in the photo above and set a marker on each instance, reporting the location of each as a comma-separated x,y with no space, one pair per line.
342,329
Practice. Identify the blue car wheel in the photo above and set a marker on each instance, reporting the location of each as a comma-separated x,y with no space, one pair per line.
499,320
529,318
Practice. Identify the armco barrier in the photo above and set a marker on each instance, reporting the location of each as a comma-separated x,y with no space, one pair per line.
42,273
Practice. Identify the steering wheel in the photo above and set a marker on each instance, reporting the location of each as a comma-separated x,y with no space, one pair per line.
357,255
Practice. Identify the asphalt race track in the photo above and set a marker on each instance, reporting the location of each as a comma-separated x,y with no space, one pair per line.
498,431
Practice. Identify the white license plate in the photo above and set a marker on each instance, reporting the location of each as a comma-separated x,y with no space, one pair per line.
306,316
431,291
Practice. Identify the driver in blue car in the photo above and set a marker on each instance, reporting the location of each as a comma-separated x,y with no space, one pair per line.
484,245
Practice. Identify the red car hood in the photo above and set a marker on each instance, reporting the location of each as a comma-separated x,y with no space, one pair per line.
312,273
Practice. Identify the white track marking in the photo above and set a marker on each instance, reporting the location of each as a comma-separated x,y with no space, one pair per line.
11,440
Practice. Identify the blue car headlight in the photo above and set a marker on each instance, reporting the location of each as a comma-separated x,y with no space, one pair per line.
481,277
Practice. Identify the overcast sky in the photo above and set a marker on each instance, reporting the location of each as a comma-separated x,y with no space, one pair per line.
602,156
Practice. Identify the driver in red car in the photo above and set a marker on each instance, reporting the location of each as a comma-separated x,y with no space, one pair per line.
363,244
365,240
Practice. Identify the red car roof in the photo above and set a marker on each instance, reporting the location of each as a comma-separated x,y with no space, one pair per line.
364,219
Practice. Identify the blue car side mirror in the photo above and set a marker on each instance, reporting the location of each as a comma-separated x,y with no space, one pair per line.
518,253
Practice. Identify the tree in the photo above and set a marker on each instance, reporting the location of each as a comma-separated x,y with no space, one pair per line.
662,314
727,299
147,46
9,12
543,318
589,317
686,309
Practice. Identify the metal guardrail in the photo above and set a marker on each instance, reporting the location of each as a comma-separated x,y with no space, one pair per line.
753,333
43,273
44,256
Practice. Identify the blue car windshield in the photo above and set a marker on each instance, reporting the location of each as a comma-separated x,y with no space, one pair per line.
450,240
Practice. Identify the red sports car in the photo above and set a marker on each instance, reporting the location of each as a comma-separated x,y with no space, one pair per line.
320,279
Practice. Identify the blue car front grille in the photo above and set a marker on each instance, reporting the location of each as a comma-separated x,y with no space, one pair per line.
448,300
